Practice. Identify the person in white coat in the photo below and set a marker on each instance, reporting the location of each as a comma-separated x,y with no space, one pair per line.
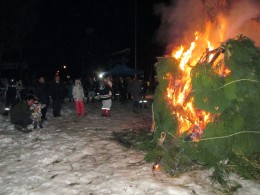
78,96
105,94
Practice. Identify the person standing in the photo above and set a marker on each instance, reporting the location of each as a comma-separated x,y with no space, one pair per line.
105,94
12,96
123,90
129,88
37,114
91,89
42,92
136,91
69,89
57,95
78,95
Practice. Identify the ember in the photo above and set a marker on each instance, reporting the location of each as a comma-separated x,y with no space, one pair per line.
156,166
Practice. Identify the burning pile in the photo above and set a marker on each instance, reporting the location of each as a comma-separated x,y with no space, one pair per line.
207,100
211,102
179,90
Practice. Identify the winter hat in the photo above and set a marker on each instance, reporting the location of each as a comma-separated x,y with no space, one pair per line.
30,97
77,82
36,100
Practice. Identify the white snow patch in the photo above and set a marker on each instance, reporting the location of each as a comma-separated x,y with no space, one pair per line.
76,155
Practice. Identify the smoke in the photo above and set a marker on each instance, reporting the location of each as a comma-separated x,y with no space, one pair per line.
178,21
181,19
242,19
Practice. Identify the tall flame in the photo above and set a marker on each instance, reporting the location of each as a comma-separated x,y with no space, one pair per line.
190,119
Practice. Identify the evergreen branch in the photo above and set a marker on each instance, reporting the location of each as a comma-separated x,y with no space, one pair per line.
251,80
238,81
221,137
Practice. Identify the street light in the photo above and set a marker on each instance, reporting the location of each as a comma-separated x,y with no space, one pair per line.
101,75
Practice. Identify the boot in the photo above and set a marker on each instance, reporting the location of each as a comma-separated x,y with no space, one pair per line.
35,125
108,113
103,113
5,113
25,130
135,109
93,100
40,125
18,127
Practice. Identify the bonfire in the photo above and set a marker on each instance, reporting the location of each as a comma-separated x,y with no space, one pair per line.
179,89
207,103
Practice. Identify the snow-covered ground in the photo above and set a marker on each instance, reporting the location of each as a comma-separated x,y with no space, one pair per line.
76,155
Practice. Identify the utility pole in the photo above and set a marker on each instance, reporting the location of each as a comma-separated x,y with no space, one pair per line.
135,34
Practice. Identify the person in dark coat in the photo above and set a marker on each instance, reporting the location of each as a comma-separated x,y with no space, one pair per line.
69,90
123,90
136,91
12,96
42,93
92,88
21,114
129,88
57,95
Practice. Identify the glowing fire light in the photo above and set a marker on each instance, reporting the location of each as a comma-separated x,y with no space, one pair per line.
187,55
210,48
178,53
178,93
156,167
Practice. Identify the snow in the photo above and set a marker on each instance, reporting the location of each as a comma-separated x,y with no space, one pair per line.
77,155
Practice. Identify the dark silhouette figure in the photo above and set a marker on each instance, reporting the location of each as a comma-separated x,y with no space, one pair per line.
57,95
21,114
42,92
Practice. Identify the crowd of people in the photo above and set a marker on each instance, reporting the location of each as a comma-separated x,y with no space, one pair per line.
28,108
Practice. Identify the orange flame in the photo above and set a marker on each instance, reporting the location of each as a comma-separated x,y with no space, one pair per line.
156,167
179,96
210,48
178,53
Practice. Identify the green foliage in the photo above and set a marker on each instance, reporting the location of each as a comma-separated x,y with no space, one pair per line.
235,132
173,161
146,145
162,109
236,98
206,84
152,155
241,56
251,163
166,65
220,174
137,139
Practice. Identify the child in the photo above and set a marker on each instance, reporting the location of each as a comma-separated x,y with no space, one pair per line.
37,115
105,94
78,95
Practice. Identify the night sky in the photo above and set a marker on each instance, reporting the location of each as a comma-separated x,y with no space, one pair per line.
83,33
